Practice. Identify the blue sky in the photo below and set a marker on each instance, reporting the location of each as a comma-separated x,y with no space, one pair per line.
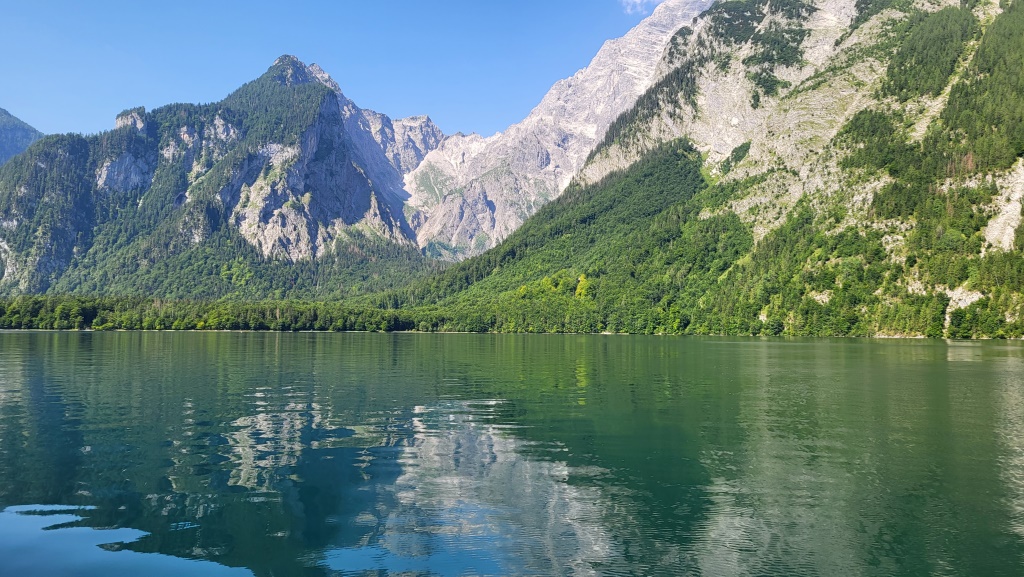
472,65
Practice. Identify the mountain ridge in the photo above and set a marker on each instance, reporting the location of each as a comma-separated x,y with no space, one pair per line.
473,191
825,168
293,167
842,193
285,164
15,136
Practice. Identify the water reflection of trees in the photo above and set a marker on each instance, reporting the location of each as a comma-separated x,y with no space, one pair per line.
863,458
146,441
40,435
264,464
301,454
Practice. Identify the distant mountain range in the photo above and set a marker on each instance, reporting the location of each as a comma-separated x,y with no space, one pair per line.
15,136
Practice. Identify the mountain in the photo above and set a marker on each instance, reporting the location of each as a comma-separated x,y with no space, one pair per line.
15,136
299,182
837,167
824,168
472,191
285,187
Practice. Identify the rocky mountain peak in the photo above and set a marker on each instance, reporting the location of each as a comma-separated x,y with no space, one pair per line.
419,120
136,117
472,192
290,71
323,77
285,163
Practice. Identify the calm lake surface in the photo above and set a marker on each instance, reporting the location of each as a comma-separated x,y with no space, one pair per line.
367,454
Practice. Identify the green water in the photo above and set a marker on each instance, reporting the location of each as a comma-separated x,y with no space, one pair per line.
350,454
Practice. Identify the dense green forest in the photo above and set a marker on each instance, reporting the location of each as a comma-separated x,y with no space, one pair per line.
118,313
985,114
928,56
652,251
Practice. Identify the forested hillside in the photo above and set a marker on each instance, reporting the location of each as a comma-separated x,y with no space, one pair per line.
674,245
262,195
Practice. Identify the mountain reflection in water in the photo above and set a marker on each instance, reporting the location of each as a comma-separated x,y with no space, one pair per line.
469,503
451,455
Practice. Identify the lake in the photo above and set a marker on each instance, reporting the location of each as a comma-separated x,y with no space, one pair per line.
415,454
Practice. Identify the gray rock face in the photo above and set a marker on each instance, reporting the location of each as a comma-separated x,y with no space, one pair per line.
414,138
294,202
136,118
405,141
472,192
124,173
789,135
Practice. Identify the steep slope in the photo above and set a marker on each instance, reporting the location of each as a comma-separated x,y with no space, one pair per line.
15,136
473,191
896,126
860,174
584,261
284,187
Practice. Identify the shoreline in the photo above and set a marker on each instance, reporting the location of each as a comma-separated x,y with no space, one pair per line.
911,338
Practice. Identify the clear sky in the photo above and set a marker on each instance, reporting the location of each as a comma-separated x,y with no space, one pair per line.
472,65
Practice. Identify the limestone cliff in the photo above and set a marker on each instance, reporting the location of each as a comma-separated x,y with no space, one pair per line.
472,191
287,163
777,96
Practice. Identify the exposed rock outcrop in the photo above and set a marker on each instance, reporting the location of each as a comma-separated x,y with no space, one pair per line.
472,191
287,163
124,173
136,118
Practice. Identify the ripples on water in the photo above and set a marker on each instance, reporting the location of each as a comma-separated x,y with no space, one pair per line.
451,455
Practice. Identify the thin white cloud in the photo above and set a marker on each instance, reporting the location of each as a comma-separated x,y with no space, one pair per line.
639,6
